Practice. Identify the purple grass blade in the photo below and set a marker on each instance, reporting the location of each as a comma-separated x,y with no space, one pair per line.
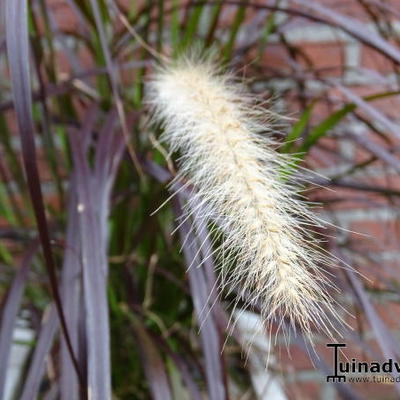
94,264
18,56
72,300
43,346
67,86
206,250
354,28
109,152
388,344
114,80
10,311
375,114
203,288
93,189
377,150
103,161
210,337
71,282
153,363
53,393
106,135
157,171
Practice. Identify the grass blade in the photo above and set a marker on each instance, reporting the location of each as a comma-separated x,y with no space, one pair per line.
18,54
354,28
94,266
114,80
10,311
324,127
320,130
209,335
93,191
297,129
71,284
40,354
374,113
152,362
234,29
387,343
72,298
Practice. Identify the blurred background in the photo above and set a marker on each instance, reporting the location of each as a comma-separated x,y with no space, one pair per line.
94,289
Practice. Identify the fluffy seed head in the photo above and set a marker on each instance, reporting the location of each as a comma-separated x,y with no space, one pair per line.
268,254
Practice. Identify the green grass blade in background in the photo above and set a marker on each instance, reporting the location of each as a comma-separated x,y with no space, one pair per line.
321,129
192,20
324,127
297,129
234,29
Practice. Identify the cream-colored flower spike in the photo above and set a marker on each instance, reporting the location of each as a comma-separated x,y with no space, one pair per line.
268,254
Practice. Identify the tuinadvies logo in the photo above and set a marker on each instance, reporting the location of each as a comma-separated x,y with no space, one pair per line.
342,369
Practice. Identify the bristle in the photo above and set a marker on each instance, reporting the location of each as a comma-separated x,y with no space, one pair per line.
237,175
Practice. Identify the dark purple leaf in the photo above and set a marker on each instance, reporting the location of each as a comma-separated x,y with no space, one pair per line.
72,300
18,56
94,265
210,337
71,276
93,188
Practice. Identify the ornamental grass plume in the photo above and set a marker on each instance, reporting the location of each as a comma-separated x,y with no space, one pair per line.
268,253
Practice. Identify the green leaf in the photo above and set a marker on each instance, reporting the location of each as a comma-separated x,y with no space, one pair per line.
325,126
192,26
234,29
298,129
330,122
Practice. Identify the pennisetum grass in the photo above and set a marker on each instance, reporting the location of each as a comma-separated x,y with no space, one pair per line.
268,253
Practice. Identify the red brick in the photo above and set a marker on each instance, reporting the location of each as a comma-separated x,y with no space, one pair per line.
378,275
326,58
374,60
374,236
293,358
303,390
390,314
276,57
66,19
339,198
